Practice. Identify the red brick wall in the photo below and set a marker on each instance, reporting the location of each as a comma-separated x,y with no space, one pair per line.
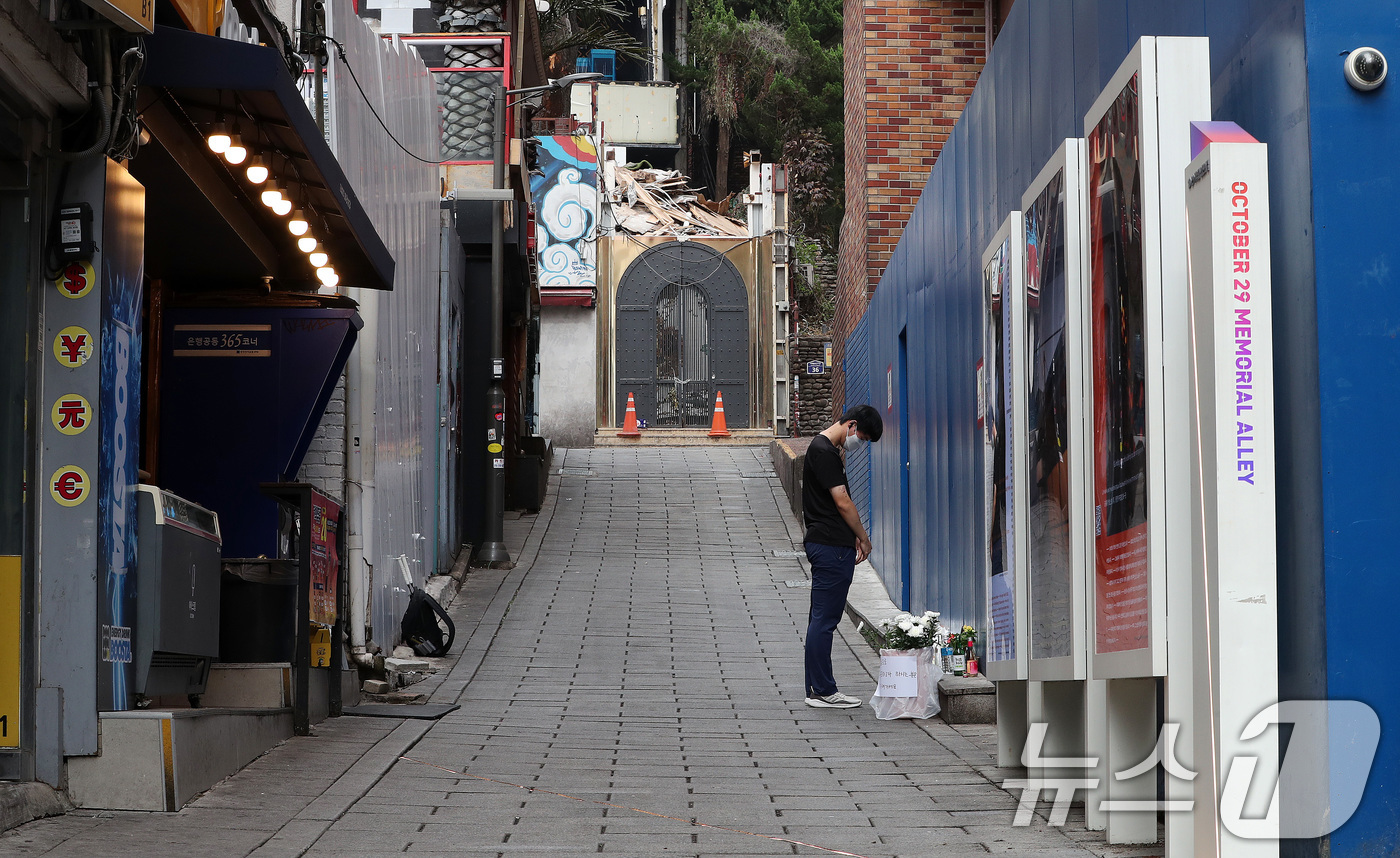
851,280
910,67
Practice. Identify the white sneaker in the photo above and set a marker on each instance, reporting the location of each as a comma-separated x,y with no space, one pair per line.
836,700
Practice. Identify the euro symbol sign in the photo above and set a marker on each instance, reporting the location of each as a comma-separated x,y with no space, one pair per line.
69,485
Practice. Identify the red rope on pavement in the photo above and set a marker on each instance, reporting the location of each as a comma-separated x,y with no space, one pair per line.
638,810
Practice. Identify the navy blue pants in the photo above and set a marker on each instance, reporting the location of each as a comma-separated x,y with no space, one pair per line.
833,566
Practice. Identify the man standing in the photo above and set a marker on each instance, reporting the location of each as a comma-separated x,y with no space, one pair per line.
836,541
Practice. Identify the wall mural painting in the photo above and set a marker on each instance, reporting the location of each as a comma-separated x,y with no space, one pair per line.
1047,490
1119,419
564,186
997,447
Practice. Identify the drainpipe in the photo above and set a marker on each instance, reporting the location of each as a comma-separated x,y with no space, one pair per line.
359,472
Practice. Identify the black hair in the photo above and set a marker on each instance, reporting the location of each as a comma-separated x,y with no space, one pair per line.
867,421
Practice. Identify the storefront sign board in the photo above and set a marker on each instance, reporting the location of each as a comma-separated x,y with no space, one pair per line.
10,625
325,558
133,16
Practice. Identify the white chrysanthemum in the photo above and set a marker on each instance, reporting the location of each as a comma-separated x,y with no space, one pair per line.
906,624
916,630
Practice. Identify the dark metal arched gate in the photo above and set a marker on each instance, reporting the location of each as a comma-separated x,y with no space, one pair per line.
682,334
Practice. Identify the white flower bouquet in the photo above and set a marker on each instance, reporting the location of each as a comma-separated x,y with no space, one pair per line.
909,671
906,631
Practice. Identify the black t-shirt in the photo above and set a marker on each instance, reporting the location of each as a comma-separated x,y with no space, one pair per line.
823,471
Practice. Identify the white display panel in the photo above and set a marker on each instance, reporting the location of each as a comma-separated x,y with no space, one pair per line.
1233,478
1136,133
1003,427
1056,491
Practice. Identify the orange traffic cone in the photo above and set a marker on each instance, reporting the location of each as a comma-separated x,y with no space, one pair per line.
629,423
717,427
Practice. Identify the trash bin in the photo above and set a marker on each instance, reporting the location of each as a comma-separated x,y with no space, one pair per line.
258,619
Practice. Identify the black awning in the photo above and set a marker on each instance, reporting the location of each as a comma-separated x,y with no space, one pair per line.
189,82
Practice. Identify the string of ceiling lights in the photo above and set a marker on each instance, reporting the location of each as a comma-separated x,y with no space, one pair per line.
230,146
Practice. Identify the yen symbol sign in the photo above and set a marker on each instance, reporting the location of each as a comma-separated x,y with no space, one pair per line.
73,346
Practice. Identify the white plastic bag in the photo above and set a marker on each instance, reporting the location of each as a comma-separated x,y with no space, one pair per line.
891,699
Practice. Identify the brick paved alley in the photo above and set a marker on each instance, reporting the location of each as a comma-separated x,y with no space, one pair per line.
641,670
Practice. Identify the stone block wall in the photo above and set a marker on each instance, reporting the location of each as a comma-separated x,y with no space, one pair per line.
910,66
789,456
812,396
813,327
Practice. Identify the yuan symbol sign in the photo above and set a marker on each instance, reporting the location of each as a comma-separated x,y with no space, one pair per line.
71,414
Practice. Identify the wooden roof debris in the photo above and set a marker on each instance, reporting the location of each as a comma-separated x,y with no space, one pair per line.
646,201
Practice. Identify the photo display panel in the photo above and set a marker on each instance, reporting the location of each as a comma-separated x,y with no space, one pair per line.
998,470
1050,571
1118,421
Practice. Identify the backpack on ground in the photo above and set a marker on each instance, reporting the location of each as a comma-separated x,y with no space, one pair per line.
421,629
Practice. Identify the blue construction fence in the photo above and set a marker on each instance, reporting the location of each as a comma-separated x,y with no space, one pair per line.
1276,69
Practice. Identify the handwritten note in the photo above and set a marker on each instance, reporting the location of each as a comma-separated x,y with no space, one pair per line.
899,676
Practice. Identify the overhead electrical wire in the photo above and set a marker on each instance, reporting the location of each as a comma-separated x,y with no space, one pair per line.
340,50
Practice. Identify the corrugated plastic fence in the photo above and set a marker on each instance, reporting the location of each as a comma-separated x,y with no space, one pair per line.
401,195
858,393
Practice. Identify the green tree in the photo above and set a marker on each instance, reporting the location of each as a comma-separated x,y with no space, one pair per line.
736,63
568,27
810,160
802,119
788,104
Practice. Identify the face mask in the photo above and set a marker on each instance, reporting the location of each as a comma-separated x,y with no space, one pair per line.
853,442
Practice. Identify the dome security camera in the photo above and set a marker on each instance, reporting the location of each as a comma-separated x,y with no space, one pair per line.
1365,68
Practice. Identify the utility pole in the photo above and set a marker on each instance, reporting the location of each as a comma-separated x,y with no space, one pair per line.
493,552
